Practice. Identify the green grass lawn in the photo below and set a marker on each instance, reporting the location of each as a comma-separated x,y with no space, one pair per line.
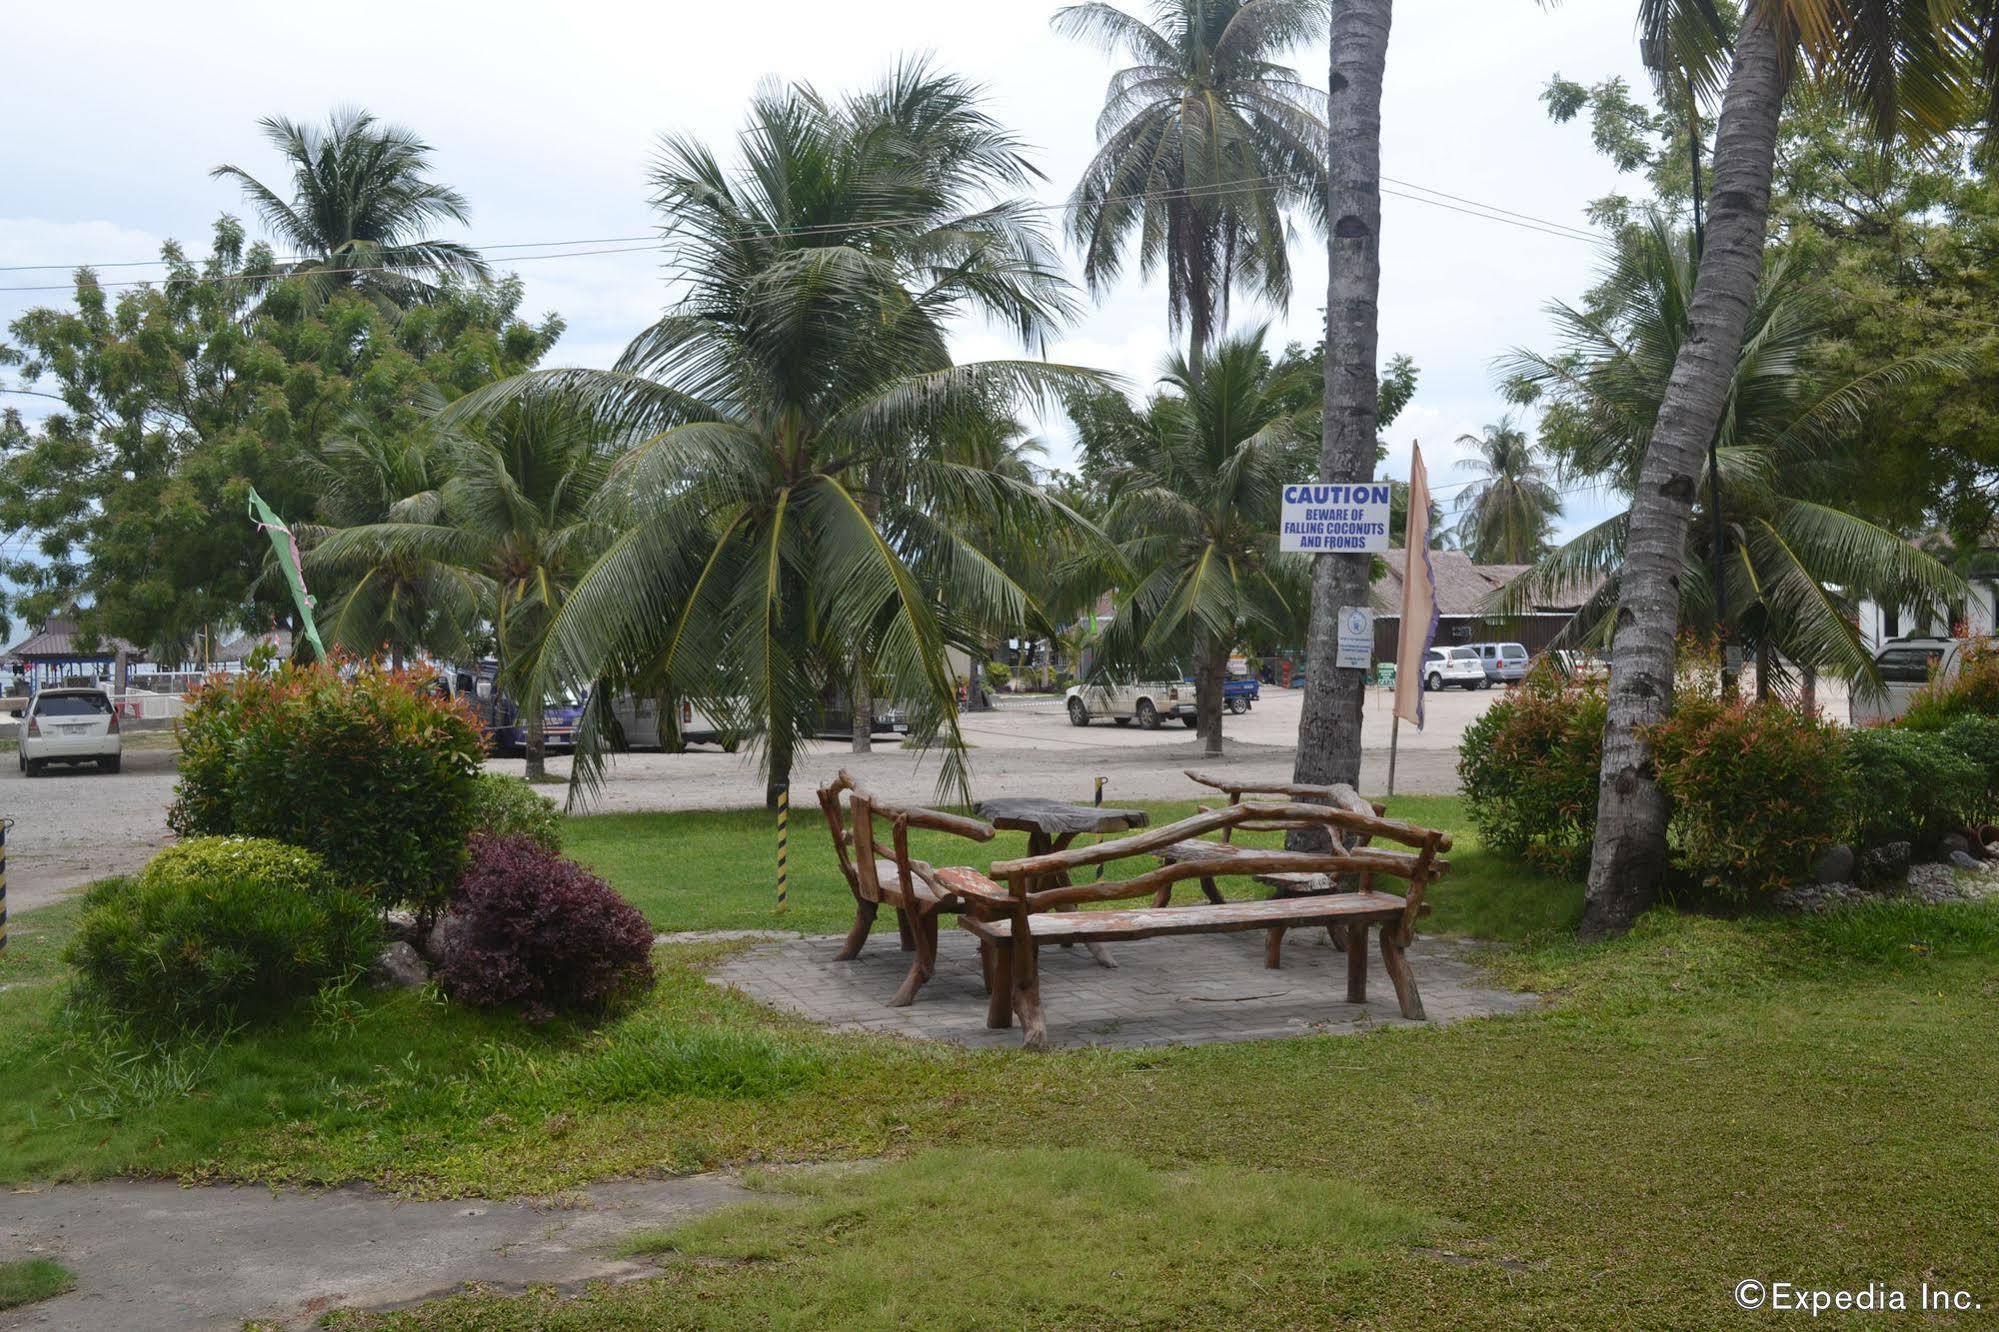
1703,1101
30,1280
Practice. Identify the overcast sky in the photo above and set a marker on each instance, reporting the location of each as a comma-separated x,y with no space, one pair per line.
546,119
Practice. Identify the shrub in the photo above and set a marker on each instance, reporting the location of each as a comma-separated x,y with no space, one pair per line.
1976,737
998,674
1910,786
528,927
508,806
218,930
1973,691
1529,769
375,774
1756,790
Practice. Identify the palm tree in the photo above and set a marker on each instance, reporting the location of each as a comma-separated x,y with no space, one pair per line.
386,600
1194,516
1506,513
1205,145
362,206
1329,723
795,501
520,519
1797,561
1907,67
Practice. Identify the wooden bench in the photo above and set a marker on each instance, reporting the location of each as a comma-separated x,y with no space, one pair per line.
880,874
1014,920
1364,822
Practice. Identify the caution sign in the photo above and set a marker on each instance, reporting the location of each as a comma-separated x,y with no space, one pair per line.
1339,520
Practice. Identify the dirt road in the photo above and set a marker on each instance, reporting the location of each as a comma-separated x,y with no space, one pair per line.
72,827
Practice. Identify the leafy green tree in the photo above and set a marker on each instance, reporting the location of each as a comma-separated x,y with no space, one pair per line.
793,501
1508,511
383,599
1206,145
177,397
1194,517
1912,67
517,523
362,207
1797,559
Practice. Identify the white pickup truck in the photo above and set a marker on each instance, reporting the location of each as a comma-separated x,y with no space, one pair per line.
1148,702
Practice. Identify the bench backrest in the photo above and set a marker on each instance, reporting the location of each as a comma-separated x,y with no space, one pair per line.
1374,821
1056,867
846,801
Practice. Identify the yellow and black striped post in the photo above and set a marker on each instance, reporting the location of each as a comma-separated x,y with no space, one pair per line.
5,824
783,844
1098,803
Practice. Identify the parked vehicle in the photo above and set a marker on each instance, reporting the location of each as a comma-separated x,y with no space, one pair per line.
638,719
70,726
500,718
1581,665
1504,663
1239,692
1905,665
1148,702
836,720
1458,666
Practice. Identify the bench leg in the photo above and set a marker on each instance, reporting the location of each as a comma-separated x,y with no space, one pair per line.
1164,897
986,966
1399,973
999,999
924,963
1027,994
1356,944
864,921
908,934
1214,894
1273,947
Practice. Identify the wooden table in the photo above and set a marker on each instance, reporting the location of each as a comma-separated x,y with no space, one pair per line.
1051,825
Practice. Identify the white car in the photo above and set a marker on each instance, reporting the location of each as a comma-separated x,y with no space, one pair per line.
1148,702
70,726
1458,666
1906,667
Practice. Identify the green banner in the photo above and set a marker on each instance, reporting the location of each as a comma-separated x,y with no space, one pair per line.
286,547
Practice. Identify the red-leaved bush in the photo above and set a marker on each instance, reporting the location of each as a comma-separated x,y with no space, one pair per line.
528,927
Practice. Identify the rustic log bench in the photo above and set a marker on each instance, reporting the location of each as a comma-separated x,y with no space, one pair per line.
1367,823
1012,922
880,874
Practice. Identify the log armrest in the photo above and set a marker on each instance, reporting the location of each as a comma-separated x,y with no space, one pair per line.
968,883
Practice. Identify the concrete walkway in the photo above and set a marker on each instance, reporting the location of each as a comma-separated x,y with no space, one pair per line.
1184,990
154,1255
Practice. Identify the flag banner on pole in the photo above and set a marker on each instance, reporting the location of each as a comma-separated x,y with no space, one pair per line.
285,546
1418,629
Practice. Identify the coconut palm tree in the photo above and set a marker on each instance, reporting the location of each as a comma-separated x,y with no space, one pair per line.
1329,722
796,502
1205,146
1194,517
520,519
362,206
1508,510
382,600
1788,447
1909,68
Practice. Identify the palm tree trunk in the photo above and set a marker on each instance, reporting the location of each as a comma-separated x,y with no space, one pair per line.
1329,726
1210,667
1763,670
1629,855
537,745
864,709
1808,689
780,772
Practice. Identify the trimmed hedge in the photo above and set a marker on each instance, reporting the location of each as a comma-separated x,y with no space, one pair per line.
1912,786
1756,791
375,774
1529,769
531,929
220,930
507,806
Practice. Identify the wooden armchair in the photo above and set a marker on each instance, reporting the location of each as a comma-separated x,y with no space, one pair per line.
880,874
1018,908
